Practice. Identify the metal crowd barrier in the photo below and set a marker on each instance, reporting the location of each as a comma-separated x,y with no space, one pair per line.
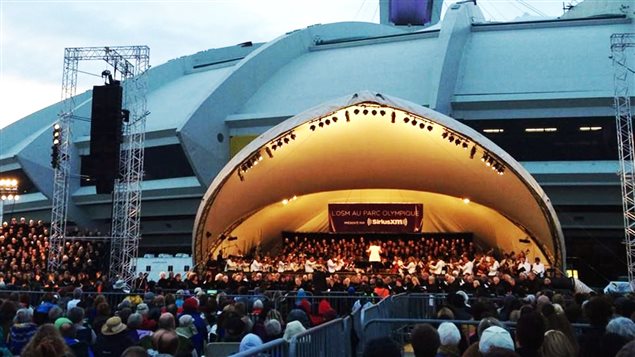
331,339
276,348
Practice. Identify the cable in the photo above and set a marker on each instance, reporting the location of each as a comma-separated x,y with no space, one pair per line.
532,8
91,74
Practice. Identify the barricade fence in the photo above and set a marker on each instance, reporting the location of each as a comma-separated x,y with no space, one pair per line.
331,339
276,348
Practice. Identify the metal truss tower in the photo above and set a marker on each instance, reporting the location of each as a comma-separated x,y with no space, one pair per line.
132,62
620,43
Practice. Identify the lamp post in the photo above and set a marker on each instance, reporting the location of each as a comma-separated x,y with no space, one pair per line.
8,192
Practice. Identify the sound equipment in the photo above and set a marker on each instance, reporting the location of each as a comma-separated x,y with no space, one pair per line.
105,135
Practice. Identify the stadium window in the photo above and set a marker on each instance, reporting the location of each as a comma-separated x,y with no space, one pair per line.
170,268
186,268
148,268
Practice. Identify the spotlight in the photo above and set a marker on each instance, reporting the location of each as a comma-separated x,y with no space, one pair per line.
457,142
422,126
429,127
312,127
279,143
465,145
382,112
274,146
348,118
451,138
485,157
286,140
406,119
365,111
473,152
393,116
374,112
414,123
321,125
356,111
334,119
445,134
292,136
328,122
489,162
269,152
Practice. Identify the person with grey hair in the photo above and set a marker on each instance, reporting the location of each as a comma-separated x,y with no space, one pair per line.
622,326
167,321
77,297
273,330
84,332
22,330
135,330
55,313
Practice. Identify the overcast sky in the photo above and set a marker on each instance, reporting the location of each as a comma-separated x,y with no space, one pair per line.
33,34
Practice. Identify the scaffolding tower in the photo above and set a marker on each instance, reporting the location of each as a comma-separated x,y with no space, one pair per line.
132,62
620,43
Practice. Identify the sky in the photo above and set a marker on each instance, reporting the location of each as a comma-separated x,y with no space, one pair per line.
34,34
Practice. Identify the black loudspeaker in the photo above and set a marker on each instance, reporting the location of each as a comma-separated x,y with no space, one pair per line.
105,135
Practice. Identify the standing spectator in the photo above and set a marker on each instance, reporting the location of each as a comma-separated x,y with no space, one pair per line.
556,344
47,342
185,332
530,332
83,332
113,339
77,297
22,331
190,307
449,337
425,340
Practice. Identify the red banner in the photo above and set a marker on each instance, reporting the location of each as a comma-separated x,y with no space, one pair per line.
376,217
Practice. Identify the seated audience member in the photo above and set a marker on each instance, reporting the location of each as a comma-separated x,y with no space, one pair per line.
382,347
495,337
67,330
556,344
425,340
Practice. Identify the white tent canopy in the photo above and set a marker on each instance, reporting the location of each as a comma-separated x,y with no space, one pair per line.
370,151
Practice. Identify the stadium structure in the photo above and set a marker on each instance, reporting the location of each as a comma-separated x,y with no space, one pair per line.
502,129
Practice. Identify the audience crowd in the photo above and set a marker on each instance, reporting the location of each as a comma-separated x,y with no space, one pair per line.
229,300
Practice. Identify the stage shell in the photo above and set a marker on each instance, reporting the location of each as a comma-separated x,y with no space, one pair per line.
370,153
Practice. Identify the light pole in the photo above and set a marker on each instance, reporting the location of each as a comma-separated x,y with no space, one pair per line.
8,192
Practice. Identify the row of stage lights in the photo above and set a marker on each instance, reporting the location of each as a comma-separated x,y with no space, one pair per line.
270,148
452,137
492,163
55,148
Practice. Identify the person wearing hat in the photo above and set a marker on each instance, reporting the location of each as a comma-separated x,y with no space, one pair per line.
68,332
147,324
113,339
185,332
190,308
449,337
293,328
497,337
